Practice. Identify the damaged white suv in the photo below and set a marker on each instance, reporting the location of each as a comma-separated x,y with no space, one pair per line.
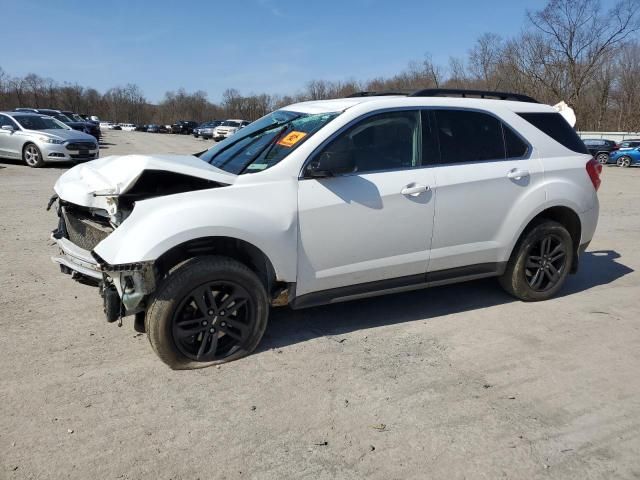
328,201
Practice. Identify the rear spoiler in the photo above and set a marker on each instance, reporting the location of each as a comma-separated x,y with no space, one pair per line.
567,112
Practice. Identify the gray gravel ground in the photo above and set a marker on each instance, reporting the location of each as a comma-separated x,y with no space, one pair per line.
452,382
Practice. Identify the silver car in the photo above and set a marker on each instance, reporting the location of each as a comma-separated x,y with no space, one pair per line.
37,139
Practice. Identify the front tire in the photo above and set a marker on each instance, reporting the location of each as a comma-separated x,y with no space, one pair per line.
603,158
539,263
624,161
32,156
207,311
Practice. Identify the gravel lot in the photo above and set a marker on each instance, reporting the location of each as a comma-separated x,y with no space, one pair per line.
452,382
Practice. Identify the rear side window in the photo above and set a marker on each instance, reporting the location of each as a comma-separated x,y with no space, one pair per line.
467,136
557,128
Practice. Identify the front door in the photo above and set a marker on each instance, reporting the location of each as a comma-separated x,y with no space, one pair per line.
10,141
373,224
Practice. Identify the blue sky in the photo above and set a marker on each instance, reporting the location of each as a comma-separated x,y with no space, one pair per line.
253,45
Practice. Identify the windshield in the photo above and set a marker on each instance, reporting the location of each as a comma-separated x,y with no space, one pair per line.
62,117
230,124
266,141
40,123
77,118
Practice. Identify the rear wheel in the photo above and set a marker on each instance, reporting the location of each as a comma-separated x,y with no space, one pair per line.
540,262
624,161
602,158
209,310
32,156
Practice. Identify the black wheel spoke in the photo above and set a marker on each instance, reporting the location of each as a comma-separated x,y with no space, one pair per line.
532,264
213,345
236,306
537,279
557,256
199,297
203,344
229,331
237,324
553,273
188,328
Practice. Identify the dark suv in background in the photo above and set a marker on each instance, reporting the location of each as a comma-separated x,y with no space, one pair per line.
600,148
184,127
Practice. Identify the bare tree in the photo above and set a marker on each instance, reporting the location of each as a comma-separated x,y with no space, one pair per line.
578,36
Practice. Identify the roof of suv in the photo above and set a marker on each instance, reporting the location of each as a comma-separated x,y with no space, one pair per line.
386,101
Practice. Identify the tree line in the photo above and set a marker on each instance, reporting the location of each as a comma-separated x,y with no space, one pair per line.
571,50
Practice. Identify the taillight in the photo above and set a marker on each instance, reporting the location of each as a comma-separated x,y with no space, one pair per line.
594,169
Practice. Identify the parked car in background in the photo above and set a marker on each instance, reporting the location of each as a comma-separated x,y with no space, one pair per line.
129,127
153,128
206,129
228,128
600,148
106,125
627,155
184,127
141,128
81,125
93,125
116,126
37,139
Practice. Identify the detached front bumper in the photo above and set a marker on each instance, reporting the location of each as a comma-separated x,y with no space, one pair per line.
76,261
123,287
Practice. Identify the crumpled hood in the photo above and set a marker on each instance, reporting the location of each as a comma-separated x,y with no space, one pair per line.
91,184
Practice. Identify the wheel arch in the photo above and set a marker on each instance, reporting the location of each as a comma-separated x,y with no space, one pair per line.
241,250
565,216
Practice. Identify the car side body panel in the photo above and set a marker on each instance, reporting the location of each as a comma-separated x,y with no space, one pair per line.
263,215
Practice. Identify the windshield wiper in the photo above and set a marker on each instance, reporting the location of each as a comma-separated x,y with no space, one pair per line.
266,149
253,134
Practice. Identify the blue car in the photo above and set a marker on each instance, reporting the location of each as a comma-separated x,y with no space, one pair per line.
627,155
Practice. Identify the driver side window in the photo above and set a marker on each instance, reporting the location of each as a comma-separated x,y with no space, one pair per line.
386,141
6,121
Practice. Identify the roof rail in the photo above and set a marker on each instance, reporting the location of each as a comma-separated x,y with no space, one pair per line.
460,92
375,94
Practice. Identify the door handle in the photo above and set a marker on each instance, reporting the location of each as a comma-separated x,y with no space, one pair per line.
414,190
517,174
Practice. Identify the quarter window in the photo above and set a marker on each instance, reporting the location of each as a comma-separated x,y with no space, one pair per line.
386,141
556,127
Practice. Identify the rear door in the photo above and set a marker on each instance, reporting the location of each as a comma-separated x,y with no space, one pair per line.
484,170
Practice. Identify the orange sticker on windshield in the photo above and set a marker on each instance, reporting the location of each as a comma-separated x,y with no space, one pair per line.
291,139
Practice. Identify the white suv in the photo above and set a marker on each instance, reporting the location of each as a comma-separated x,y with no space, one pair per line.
328,201
228,128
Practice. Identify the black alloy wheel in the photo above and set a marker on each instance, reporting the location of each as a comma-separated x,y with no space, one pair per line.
546,262
213,321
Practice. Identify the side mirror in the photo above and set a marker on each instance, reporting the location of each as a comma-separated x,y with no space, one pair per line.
8,128
329,164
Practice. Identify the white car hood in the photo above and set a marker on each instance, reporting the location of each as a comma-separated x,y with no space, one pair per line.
95,183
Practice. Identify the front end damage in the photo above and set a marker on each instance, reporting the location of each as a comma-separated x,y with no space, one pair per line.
124,288
91,205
